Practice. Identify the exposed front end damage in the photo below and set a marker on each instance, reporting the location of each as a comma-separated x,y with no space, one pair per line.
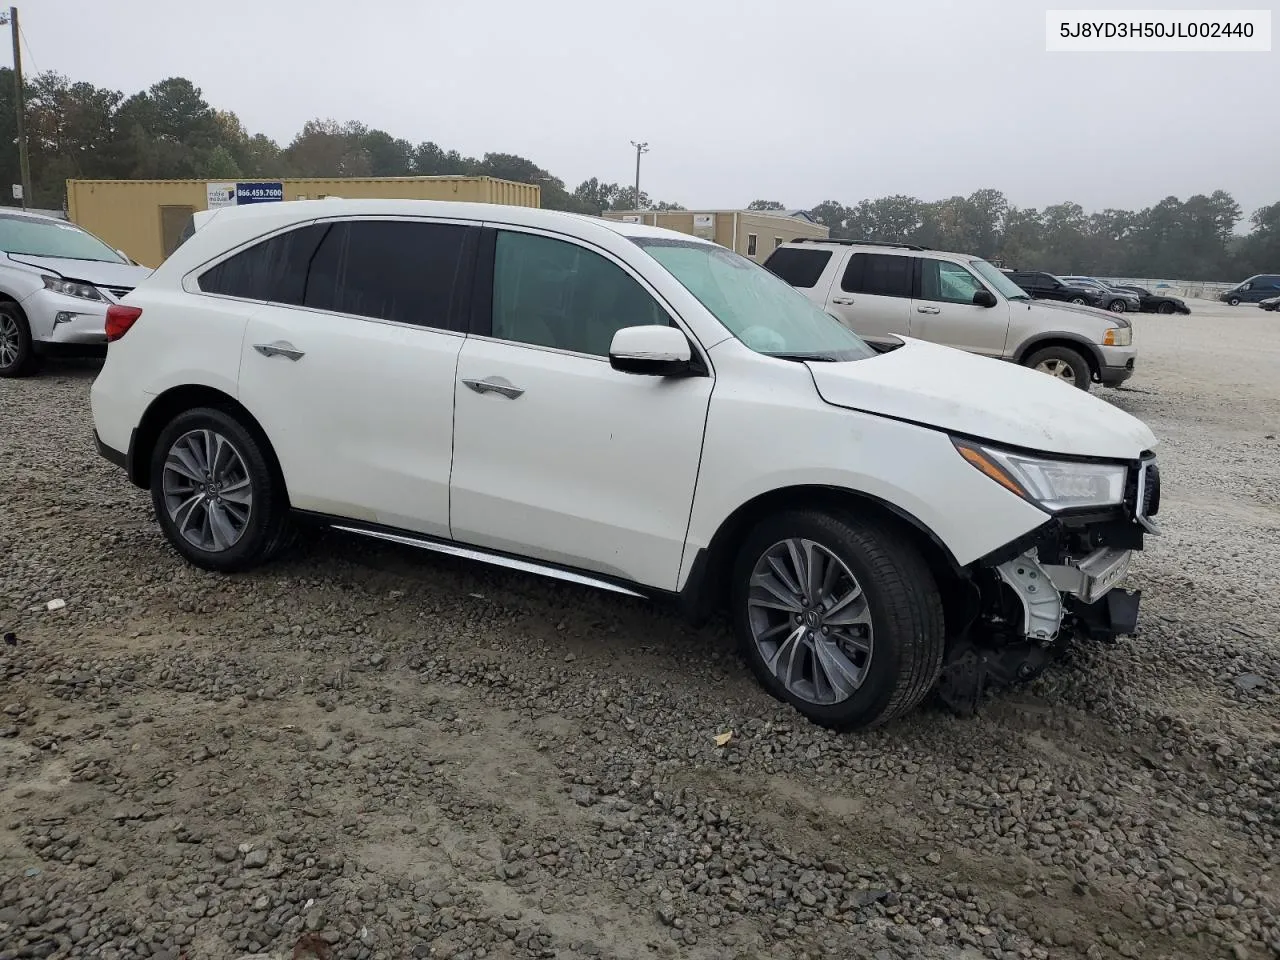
1030,600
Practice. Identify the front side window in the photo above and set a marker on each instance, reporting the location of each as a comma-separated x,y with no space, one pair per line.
37,237
1006,285
947,282
759,308
878,274
798,266
552,293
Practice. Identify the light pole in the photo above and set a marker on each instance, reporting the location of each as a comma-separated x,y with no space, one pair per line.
11,18
640,148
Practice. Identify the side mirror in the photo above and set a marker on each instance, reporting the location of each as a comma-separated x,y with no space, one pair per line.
651,350
984,298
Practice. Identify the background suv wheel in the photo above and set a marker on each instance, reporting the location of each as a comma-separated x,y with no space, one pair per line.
17,358
837,616
217,497
1064,363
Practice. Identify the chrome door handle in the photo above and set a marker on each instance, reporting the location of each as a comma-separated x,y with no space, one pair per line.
928,310
843,301
499,385
281,348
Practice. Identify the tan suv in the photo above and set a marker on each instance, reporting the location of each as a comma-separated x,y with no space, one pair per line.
883,291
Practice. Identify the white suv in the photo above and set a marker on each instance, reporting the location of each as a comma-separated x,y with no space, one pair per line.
634,409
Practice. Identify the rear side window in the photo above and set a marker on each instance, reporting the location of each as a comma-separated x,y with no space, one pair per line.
274,270
878,274
797,266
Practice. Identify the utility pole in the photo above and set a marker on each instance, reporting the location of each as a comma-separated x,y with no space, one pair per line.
640,148
20,103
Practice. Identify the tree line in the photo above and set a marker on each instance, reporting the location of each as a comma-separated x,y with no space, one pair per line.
169,131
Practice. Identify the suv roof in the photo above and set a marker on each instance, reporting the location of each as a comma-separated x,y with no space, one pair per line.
884,246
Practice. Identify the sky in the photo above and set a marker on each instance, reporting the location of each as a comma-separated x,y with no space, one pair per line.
797,101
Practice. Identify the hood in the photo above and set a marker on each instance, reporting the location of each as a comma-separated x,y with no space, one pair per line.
980,397
1080,310
97,272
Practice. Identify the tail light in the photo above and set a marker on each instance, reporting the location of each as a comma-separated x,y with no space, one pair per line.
120,317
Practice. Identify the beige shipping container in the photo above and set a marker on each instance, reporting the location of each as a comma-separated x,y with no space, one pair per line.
752,233
145,218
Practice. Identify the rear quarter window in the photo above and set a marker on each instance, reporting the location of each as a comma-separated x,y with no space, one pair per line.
797,266
274,269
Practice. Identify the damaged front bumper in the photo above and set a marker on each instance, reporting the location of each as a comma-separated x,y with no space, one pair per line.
1060,582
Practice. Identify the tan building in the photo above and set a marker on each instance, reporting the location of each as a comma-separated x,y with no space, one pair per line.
752,233
145,218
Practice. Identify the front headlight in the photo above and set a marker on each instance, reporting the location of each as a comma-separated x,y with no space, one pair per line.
1052,485
72,288
1117,337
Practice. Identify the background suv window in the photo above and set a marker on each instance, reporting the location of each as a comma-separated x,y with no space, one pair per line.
878,274
274,270
550,293
395,270
799,267
947,282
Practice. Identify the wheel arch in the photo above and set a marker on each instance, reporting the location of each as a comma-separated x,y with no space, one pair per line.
176,400
1079,344
706,588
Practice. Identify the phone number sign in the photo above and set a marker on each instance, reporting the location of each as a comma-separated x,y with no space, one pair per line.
234,194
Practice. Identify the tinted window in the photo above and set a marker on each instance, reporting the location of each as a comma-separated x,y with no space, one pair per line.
947,282
394,270
550,293
878,274
797,266
275,269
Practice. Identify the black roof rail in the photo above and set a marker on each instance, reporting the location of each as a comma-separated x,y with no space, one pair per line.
860,243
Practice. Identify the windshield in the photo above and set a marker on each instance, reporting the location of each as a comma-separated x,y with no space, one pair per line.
52,238
1004,286
763,311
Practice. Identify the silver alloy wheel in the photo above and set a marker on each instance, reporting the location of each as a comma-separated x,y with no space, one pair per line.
810,621
9,340
1079,301
1055,367
1117,306
207,490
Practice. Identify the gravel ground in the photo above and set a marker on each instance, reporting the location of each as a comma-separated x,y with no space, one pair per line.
365,752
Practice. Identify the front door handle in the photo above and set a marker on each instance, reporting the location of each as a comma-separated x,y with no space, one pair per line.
280,348
928,310
843,301
499,385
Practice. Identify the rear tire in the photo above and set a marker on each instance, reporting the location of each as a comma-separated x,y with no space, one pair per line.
1066,364
217,496
871,618
17,355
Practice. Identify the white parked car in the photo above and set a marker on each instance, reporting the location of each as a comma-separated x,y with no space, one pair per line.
635,409
56,282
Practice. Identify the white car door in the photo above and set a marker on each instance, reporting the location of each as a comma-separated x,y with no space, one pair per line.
945,312
873,296
353,380
557,456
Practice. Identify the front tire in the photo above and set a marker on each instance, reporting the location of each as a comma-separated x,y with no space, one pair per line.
1079,301
1116,306
218,499
17,355
1065,364
1165,308
1234,302
838,616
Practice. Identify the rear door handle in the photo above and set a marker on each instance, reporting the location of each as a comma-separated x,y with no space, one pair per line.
280,348
499,385
928,310
842,301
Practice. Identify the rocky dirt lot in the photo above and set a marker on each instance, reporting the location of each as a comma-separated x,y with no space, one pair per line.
365,752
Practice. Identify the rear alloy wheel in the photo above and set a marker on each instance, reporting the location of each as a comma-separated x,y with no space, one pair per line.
1062,363
1116,306
215,493
839,617
17,358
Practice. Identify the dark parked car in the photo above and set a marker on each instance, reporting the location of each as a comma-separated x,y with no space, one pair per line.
1156,302
1272,304
1045,286
1264,286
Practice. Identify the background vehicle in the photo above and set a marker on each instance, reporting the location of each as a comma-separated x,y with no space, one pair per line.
1112,298
884,290
1156,302
1045,286
56,281
1271,304
1257,288
633,409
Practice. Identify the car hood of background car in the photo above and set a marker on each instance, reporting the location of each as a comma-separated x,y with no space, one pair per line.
980,397
1097,313
98,272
